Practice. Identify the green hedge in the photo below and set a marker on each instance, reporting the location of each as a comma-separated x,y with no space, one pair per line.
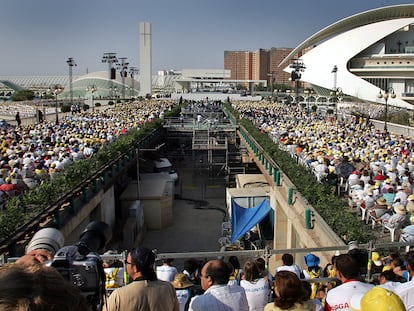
17,209
331,208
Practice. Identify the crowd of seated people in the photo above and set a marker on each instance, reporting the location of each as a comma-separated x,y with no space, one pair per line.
33,153
361,162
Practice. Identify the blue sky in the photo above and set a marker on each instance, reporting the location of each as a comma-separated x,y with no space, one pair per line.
38,36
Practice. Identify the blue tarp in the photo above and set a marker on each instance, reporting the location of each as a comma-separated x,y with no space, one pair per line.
243,219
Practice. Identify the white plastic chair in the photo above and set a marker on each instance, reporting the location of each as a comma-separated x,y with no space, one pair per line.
364,212
391,229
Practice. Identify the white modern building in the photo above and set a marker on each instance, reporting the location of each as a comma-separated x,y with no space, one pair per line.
363,55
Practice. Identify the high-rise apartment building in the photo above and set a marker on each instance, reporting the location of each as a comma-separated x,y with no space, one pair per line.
261,64
277,55
239,63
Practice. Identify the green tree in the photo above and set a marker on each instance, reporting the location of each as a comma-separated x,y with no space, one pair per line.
23,95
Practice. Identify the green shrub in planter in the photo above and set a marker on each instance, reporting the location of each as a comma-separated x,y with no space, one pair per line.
85,107
330,207
65,108
97,104
111,103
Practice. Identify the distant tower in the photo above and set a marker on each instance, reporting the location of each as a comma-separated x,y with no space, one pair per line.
145,56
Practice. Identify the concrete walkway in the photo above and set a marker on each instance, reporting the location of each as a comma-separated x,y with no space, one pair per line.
197,213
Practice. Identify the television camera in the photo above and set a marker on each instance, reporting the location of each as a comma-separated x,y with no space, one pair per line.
80,264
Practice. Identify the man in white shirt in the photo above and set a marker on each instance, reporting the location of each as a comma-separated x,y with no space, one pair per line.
218,296
288,265
167,271
347,271
406,290
401,196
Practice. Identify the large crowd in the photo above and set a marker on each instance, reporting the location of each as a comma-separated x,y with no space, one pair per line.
368,165
373,168
33,153
140,283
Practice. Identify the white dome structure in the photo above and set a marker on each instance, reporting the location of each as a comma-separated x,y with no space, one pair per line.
371,52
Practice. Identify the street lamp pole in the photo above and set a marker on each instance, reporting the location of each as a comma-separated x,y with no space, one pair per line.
123,69
298,67
92,89
271,76
335,93
110,59
71,62
388,92
56,89
338,96
132,72
308,93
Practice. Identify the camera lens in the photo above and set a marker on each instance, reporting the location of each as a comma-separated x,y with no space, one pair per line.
50,239
94,237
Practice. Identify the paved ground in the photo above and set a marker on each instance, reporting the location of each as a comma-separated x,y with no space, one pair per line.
198,213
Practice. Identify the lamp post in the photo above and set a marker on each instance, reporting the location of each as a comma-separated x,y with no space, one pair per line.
132,72
271,76
309,93
123,69
43,104
298,67
113,91
110,59
334,89
337,95
71,62
92,89
388,92
56,89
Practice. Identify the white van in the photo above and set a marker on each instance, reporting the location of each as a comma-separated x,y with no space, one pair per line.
163,165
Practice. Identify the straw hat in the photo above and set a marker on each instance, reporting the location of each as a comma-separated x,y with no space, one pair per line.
399,209
381,201
181,281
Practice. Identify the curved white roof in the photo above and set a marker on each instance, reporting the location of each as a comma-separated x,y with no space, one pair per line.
354,21
342,41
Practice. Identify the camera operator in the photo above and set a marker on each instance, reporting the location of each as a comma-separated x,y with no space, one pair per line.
37,287
79,265
145,292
